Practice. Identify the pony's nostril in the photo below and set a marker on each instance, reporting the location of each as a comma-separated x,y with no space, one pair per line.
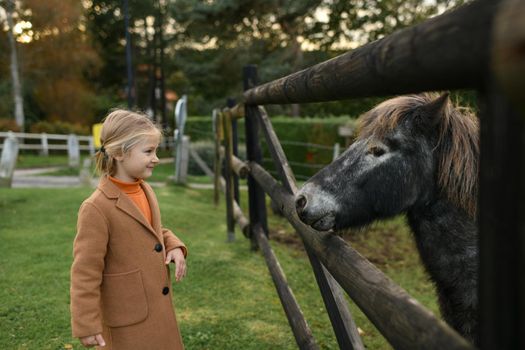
300,203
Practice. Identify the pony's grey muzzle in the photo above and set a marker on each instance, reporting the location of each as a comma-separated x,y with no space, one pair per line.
314,212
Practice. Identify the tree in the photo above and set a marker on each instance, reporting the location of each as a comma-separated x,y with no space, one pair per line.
275,34
147,28
59,60
276,26
353,23
9,7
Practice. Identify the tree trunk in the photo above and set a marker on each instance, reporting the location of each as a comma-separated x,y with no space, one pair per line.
17,90
129,67
162,44
152,66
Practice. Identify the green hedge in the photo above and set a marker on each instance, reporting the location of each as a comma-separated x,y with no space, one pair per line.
322,131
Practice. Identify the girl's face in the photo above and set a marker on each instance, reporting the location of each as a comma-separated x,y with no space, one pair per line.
139,161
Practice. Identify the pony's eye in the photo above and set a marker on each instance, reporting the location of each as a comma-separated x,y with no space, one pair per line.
376,151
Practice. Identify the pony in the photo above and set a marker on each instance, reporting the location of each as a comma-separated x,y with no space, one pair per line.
416,155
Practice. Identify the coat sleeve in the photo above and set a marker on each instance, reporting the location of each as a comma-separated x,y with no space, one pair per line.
171,241
89,251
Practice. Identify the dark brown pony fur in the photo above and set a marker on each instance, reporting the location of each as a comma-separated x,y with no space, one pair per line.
415,155
458,166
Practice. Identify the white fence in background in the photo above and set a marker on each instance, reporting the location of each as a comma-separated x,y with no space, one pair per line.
69,143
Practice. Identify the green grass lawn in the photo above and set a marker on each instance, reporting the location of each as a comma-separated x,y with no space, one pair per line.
227,300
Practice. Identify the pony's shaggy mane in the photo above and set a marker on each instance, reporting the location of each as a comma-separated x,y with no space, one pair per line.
457,147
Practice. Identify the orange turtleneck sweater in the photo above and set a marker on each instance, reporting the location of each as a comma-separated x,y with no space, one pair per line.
135,192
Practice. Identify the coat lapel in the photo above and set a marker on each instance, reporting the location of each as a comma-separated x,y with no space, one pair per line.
125,204
153,204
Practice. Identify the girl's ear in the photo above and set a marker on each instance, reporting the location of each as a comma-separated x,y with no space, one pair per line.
119,157
431,113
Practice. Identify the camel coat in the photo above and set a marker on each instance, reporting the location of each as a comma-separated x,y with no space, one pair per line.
120,285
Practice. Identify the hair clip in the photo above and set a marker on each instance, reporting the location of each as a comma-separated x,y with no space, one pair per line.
103,150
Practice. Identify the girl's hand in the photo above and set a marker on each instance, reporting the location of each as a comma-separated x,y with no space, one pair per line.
177,256
93,340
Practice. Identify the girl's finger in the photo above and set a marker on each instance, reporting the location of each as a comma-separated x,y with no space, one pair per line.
179,272
181,268
100,341
89,342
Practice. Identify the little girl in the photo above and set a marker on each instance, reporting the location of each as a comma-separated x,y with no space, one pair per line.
120,283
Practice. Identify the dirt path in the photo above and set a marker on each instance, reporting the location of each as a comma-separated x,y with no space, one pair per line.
32,178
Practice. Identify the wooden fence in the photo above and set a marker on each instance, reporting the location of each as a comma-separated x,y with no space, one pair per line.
477,46
58,142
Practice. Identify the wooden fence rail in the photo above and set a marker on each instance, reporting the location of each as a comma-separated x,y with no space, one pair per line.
477,46
85,142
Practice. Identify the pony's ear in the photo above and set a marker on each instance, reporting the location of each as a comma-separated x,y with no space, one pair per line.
432,112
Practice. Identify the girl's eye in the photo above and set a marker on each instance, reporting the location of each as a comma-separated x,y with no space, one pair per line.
376,151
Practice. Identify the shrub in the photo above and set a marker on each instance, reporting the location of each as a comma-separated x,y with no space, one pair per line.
60,127
8,125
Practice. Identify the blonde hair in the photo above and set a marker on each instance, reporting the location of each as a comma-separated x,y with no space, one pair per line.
121,131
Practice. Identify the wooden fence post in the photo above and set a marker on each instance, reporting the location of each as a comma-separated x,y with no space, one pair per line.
8,160
502,185
85,175
230,103
181,160
45,144
228,175
91,147
73,151
217,128
256,195
182,167
502,223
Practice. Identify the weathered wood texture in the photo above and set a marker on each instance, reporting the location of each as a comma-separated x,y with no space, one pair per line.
445,52
336,306
502,223
502,186
218,157
276,150
236,111
256,195
239,167
228,176
399,317
238,215
230,104
300,329
508,51
342,321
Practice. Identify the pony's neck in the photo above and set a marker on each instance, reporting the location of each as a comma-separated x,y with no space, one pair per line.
446,238
442,229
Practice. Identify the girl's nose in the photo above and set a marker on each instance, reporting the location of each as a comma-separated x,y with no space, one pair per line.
155,159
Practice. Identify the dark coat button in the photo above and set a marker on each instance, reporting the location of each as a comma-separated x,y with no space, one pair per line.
165,290
158,247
